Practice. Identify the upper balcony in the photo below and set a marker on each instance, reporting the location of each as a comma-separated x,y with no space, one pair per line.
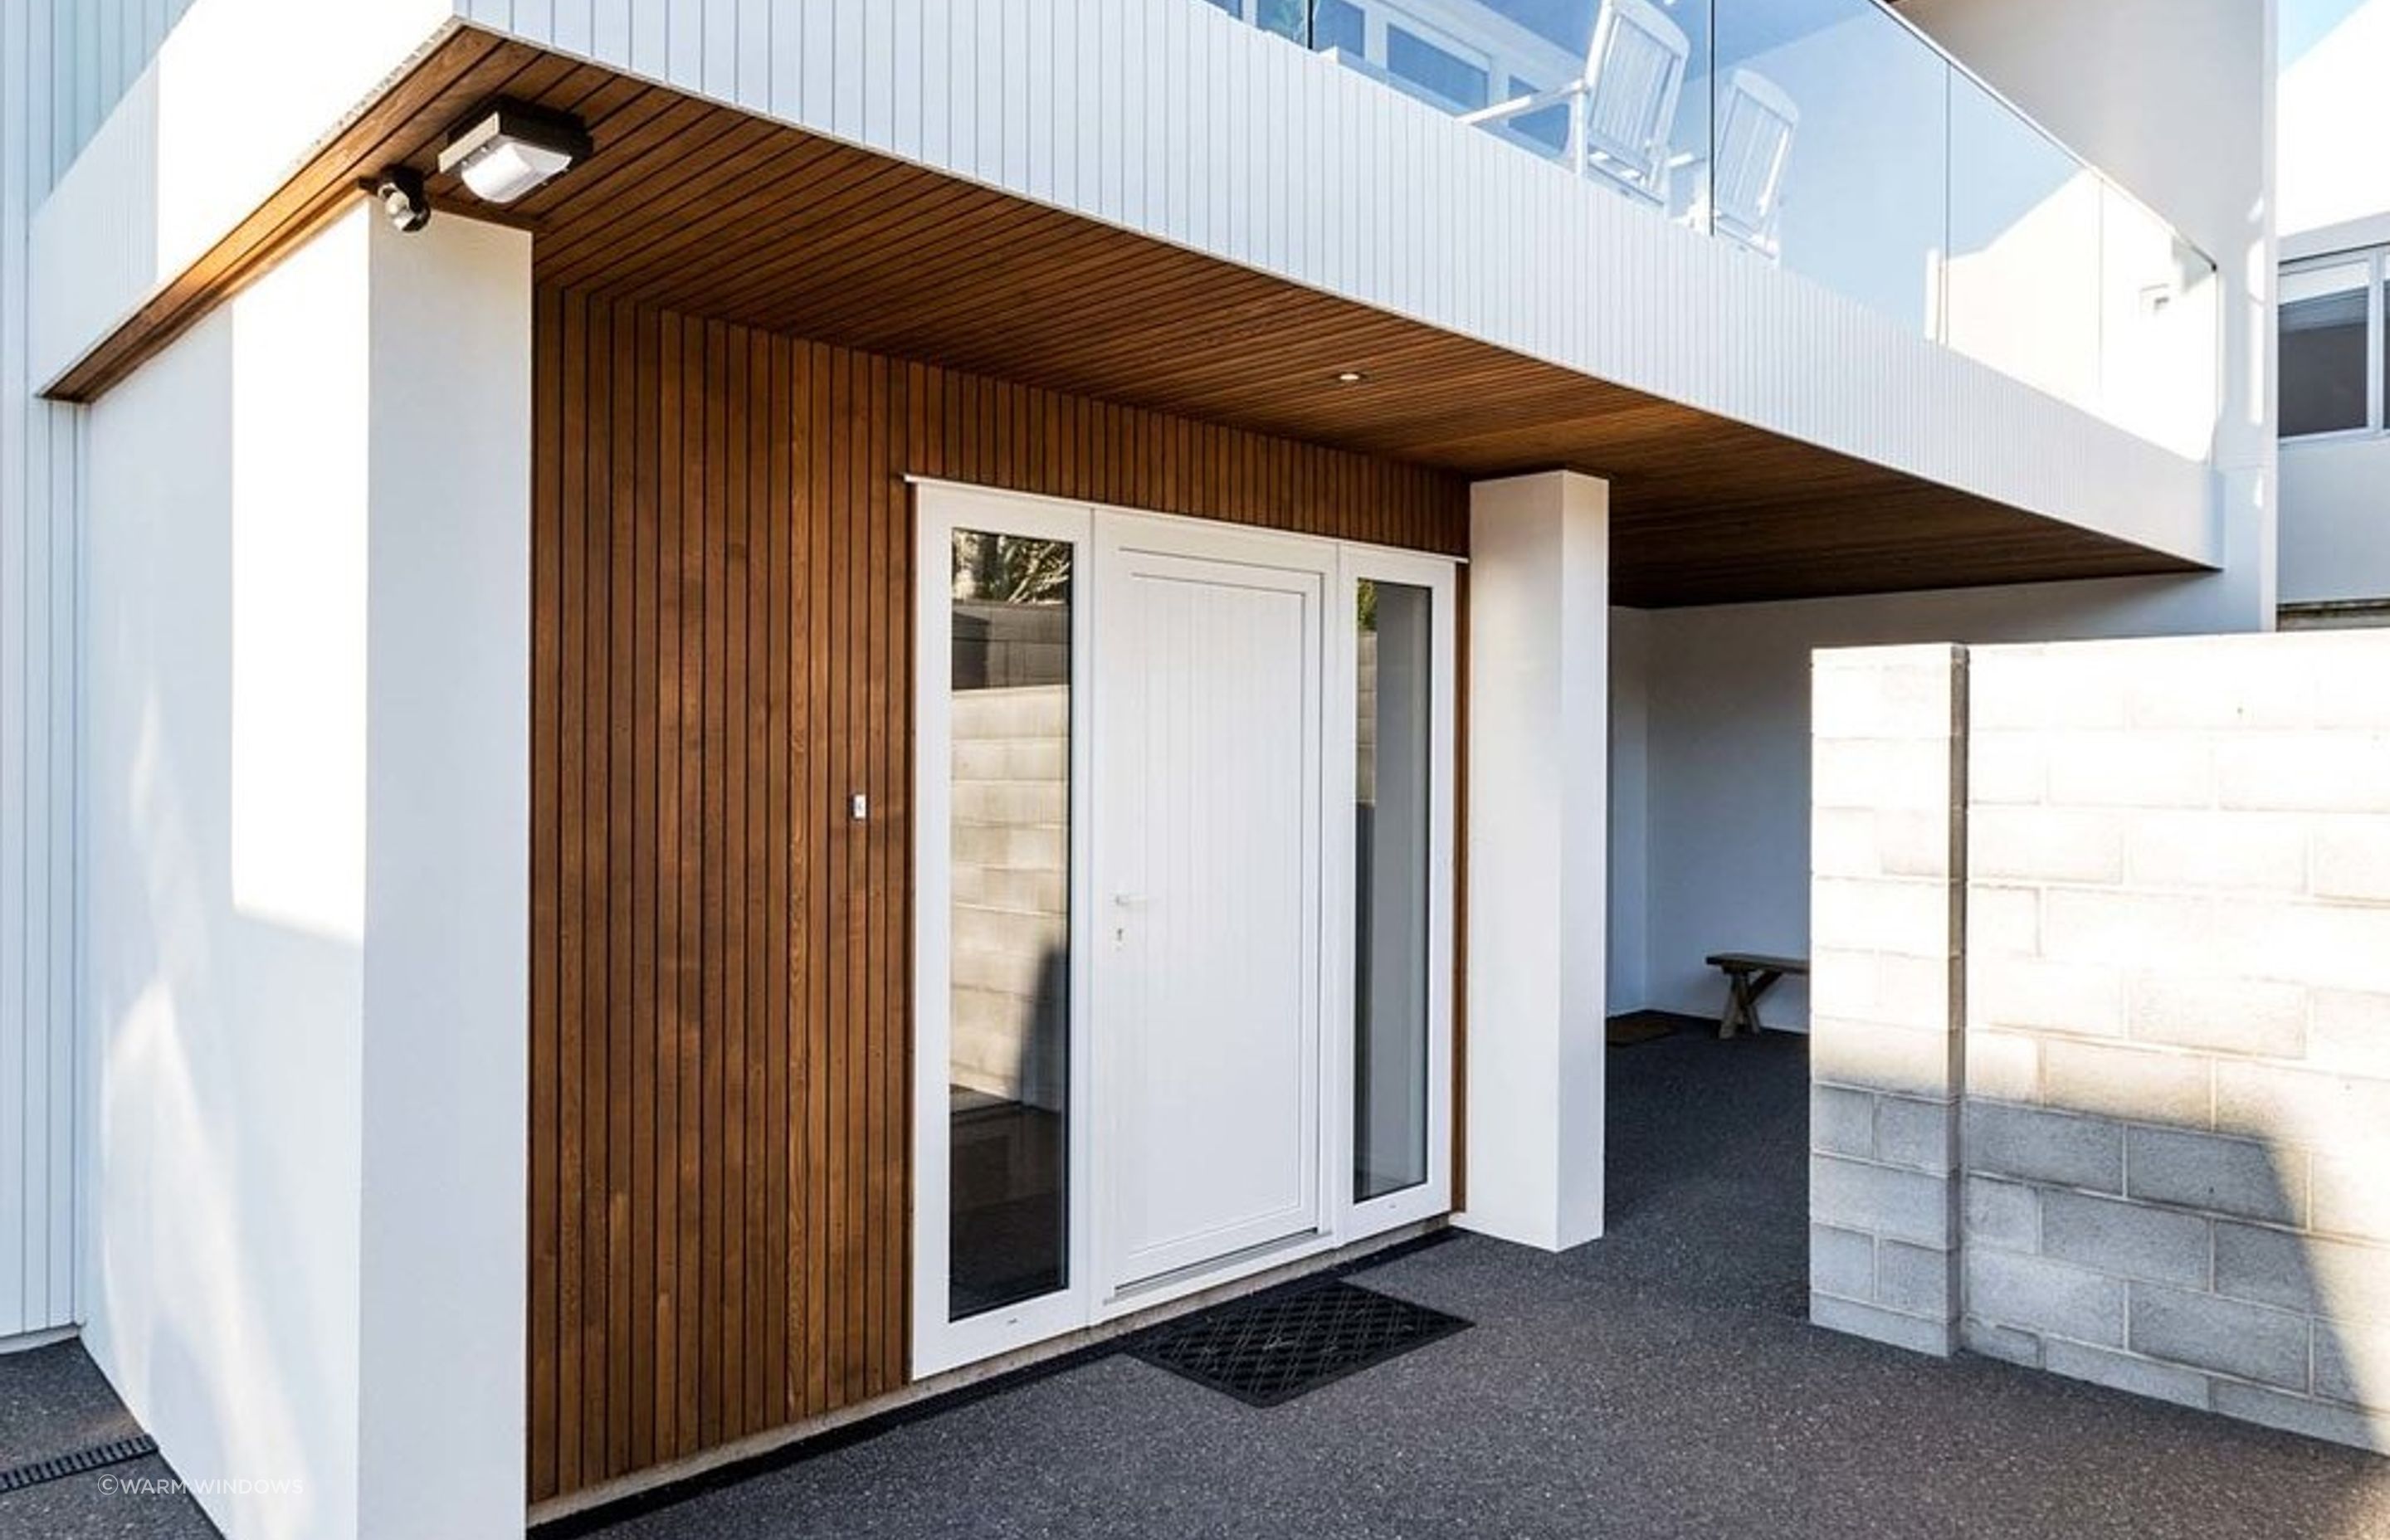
1829,314
1835,140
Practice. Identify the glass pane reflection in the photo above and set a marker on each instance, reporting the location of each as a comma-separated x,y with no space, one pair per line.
1008,1066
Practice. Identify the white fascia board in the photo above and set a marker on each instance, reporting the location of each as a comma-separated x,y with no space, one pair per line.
1145,114
237,97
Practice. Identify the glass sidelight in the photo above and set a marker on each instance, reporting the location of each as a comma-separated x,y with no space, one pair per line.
1009,916
1393,830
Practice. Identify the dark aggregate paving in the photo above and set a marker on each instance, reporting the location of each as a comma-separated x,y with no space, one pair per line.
53,1401
1661,1382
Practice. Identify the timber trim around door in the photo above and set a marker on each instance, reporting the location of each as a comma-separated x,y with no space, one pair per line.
1097,1272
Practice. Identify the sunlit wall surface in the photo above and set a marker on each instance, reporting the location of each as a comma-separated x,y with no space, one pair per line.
1830,138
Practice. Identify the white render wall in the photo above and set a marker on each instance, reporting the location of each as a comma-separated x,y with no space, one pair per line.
2336,519
307,639
40,447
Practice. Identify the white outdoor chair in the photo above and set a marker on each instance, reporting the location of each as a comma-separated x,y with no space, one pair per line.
1622,110
1755,122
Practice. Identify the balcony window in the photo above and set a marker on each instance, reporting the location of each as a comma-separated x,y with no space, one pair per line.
2331,356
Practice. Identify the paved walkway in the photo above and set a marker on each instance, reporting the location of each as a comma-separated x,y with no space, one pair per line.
1661,1383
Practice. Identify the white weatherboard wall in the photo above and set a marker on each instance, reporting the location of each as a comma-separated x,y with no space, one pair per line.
39,452
308,635
1538,730
101,47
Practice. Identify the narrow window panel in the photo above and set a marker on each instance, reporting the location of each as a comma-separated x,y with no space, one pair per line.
1009,1060
2324,368
1393,796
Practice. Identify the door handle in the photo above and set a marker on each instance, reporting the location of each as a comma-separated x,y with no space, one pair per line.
1128,901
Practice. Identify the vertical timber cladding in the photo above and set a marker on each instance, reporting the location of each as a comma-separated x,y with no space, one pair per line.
720,954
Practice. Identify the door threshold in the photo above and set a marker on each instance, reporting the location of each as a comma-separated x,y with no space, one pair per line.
1223,1268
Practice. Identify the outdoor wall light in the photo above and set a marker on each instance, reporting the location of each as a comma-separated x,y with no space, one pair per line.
506,149
400,192
1350,377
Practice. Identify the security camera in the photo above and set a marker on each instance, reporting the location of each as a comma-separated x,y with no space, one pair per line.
403,198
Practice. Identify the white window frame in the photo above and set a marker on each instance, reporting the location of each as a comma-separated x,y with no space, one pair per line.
938,1341
2376,261
940,507
1356,1219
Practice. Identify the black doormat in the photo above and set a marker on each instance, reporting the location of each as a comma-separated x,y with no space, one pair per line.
1275,1346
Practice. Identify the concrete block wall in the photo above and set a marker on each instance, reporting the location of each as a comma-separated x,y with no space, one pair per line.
1886,914
1011,890
2178,1023
2175,1010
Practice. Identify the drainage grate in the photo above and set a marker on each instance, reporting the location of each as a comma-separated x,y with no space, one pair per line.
18,1478
1275,1346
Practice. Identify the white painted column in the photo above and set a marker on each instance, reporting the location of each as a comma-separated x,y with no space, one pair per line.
447,1015
1538,816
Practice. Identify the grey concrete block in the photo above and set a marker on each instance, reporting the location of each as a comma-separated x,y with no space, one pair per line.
2268,1266
1918,1133
2007,1214
2130,1240
1841,1122
2297,1414
2122,1372
2004,1342
1842,1262
2252,1342
1902,1205
1917,1281
1877,1324
2034,1292
2347,1279
2352,1363
2209,1171
2045,1146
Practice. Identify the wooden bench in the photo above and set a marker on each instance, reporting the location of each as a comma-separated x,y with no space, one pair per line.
1750,975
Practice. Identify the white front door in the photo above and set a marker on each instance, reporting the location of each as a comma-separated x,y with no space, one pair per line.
1182,851
1208,677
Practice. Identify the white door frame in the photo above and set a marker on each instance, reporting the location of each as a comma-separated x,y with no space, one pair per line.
1087,1298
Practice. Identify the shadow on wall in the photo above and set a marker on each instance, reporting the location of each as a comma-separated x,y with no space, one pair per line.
2172,1262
